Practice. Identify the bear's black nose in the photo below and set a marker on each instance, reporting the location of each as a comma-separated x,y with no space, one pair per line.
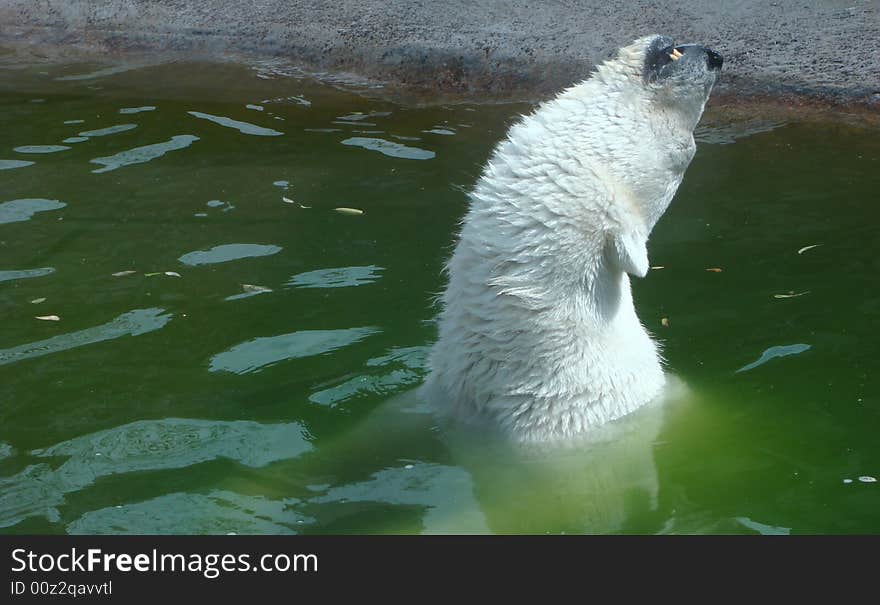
713,59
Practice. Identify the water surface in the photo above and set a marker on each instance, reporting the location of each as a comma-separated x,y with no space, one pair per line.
233,355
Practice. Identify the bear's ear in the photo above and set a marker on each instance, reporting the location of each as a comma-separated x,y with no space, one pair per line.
628,252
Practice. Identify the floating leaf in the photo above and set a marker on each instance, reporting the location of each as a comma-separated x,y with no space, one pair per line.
350,211
172,274
791,294
664,322
123,273
48,318
37,301
805,248
714,269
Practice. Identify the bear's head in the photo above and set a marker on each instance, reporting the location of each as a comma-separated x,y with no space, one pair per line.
677,76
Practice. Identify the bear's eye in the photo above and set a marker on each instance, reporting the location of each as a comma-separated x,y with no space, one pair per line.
657,58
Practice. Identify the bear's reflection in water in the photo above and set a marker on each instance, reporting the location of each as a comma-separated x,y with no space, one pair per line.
272,478
605,482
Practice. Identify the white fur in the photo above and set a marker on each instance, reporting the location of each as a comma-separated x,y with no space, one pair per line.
538,334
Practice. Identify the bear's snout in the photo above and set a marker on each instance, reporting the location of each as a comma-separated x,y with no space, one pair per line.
714,60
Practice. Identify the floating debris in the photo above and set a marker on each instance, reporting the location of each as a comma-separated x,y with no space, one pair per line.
664,322
37,301
657,267
172,274
791,294
847,480
249,290
287,200
805,248
868,479
124,273
714,269
349,211
48,318
254,107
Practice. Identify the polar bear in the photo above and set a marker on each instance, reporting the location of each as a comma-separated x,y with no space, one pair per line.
538,335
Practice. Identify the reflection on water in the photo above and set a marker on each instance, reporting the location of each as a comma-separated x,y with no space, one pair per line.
133,323
146,445
445,493
401,367
389,148
227,252
772,353
217,513
10,164
242,127
139,155
720,132
259,353
340,277
131,110
22,210
100,73
102,132
25,273
40,148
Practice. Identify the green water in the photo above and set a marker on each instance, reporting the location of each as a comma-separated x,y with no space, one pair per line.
252,373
